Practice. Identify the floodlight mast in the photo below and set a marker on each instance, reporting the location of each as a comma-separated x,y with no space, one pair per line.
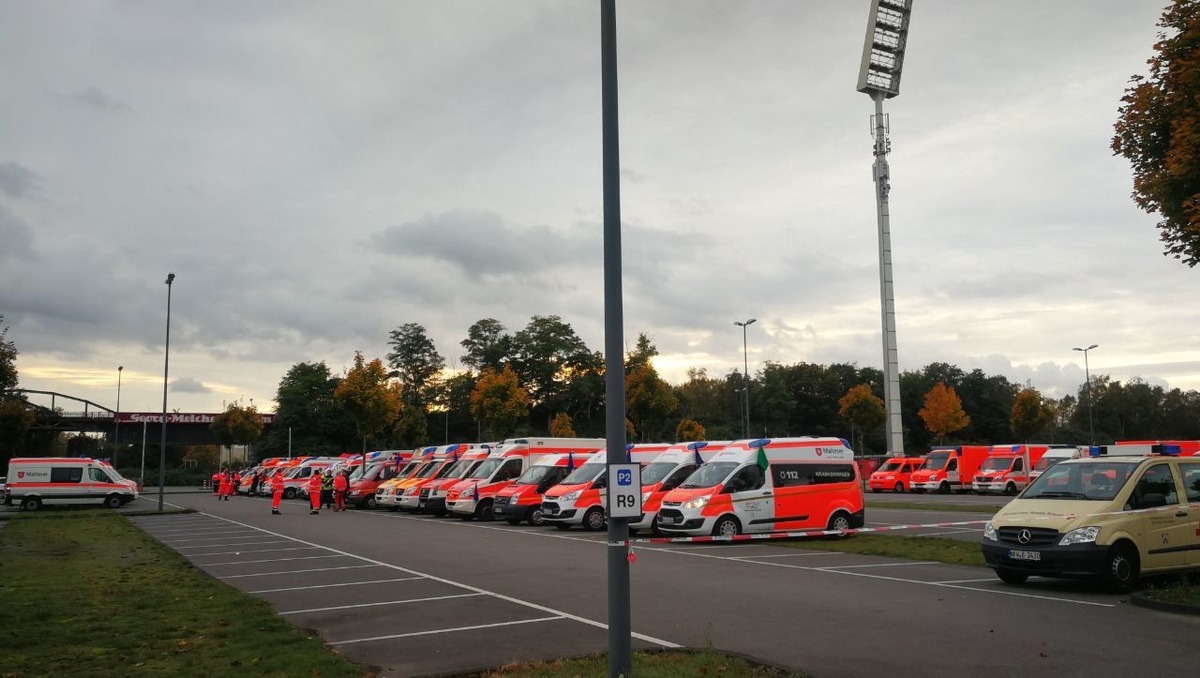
879,78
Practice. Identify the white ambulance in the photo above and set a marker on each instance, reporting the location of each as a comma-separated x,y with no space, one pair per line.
33,481
768,485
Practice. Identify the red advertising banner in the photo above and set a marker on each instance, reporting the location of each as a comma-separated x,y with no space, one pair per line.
177,418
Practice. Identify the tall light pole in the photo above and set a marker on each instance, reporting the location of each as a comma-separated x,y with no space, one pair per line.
1087,376
745,375
162,449
879,78
117,417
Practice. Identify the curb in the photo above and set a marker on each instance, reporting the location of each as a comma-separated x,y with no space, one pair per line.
1142,600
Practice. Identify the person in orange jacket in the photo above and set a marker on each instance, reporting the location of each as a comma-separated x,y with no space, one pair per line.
216,483
276,492
314,493
340,484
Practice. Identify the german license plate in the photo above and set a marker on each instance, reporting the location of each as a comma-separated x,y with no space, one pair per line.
1014,554
666,520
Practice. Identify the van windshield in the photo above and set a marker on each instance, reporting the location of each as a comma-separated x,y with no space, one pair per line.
654,473
894,465
1091,482
485,468
461,467
936,461
1046,462
997,464
429,469
534,475
584,474
710,475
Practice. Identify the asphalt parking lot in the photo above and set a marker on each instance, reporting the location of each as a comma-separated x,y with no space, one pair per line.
420,596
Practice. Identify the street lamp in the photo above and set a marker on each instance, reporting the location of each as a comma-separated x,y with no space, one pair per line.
746,374
162,450
879,78
117,417
1087,376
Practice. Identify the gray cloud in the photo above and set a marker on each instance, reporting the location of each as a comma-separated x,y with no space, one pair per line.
94,97
188,385
15,235
16,181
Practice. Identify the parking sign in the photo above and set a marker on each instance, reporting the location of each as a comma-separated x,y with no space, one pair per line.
625,491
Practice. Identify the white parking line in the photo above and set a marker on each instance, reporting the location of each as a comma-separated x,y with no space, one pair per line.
835,568
383,602
463,628
315,569
182,541
498,596
249,551
325,586
249,543
790,555
966,581
276,560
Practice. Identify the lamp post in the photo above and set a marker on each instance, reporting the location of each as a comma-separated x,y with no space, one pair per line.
117,417
1087,376
879,78
162,450
746,375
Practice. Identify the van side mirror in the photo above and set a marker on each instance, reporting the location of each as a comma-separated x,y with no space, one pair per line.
600,483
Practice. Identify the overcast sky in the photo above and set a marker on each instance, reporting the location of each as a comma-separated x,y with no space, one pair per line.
319,173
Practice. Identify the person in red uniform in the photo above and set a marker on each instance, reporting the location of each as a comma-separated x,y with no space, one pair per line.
314,492
216,483
276,492
340,485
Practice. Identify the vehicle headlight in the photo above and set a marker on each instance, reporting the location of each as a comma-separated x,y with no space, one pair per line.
571,496
697,502
989,531
1083,535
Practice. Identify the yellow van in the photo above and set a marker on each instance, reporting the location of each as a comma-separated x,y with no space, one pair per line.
1108,518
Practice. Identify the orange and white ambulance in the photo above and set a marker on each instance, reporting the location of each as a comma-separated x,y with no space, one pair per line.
581,497
430,497
668,471
895,474
443,462
768,485
474,495
33,481
295,479
365,480
522,500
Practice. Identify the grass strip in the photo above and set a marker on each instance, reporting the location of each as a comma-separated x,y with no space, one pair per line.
85,593
664,664
927,506
937,549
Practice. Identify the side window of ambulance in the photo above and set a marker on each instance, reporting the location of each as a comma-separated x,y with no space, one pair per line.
748,478
66,475
98,475
952,466
1191,480
1019,464
511,469
1156,480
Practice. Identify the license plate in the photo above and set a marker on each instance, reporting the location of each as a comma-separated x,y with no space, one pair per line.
666,520
1014,554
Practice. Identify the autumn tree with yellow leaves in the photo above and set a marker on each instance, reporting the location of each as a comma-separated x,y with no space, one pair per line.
369,396
943,412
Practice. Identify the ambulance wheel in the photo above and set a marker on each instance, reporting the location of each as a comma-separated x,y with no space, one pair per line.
944,488
536,517
31,504
289,493
1010,489
898,488
483,512
1121,568
369,503
838,522
727,526
594,519
1011,577
113,501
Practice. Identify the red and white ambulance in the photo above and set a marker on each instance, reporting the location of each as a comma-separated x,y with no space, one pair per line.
33,481
668,471
474,495
1007,468
581,497
768,485
895,474
387,495
522,500
949,469
365,480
